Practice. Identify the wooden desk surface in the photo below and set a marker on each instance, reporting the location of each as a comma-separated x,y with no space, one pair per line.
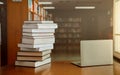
62,68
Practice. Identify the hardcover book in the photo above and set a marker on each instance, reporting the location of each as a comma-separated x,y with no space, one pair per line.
34,46
37,26
36,49
41,30
33,53
38,37
37,34
32,63
38,41
35,22
33,58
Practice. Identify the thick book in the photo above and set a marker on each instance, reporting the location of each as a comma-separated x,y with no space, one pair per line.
33,53
38,40
37,26
32,63
33,58
34,22
34,46
40,30
37,34
36,49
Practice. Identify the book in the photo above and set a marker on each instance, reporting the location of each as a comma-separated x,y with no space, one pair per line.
29,22
33,58
37,34
36,49
37,26
32,63
37,37
32,71
38,40
34,46
40,30
33,53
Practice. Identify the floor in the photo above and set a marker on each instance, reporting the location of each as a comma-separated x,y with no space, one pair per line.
62,68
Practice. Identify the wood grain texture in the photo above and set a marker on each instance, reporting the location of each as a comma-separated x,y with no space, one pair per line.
16,14
62,68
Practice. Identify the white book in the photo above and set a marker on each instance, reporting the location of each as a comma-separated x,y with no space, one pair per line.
38,34
28,22
33,53
33,58
38,40
36,49
32,63
37,26
33,46
51,30
38,37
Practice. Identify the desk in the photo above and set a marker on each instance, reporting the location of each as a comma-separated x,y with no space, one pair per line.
59,68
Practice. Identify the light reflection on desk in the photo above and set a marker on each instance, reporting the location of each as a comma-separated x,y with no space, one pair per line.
59,68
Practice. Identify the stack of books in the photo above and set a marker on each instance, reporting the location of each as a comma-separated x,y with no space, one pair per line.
37,42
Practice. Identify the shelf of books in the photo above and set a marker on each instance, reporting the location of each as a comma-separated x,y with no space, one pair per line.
36,11
36,44
68,36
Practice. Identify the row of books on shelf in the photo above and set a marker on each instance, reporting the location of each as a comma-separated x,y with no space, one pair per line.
67,47
68,19
67,41
69,24
36,44
68,35
68,30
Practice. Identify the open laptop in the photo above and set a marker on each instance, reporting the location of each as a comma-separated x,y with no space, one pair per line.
95,52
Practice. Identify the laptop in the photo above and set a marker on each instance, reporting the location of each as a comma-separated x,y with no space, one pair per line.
95,52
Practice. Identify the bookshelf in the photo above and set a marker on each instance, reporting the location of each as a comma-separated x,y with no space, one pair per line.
68,35
36,11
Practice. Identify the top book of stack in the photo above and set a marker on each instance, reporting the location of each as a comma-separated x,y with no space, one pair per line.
39,24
